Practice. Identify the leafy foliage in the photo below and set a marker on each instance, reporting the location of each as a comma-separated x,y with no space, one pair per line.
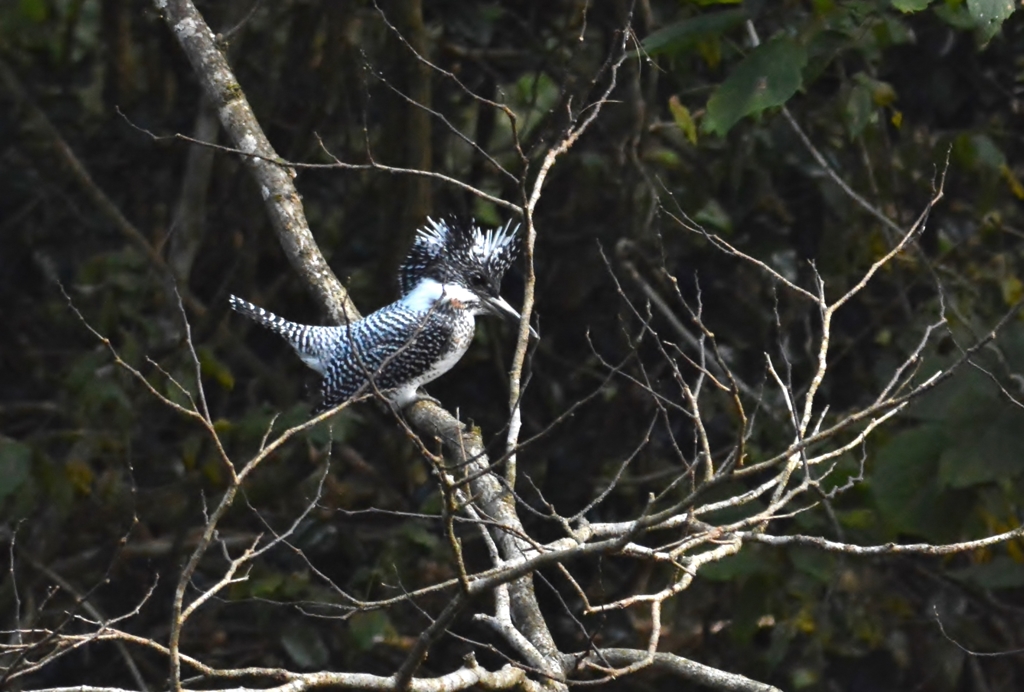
767,77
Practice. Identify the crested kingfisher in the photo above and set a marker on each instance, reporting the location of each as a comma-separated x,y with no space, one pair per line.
452,274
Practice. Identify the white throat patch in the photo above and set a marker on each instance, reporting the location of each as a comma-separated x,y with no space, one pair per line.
429,291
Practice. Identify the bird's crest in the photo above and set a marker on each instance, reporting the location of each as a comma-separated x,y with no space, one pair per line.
450,245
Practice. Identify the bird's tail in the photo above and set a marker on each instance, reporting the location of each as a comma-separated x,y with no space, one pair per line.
268,319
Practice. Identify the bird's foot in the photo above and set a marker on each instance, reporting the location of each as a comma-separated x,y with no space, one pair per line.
423,396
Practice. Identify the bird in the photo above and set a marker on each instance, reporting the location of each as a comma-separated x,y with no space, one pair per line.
451,276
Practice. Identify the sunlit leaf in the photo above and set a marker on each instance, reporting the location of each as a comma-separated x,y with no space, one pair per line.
989,15
683,119
767,77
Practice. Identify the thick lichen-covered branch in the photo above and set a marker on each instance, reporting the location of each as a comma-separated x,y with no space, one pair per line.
277,189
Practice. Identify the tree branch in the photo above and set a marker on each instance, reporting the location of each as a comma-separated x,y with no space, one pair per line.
281,199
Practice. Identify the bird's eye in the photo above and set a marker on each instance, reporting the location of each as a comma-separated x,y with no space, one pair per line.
478,280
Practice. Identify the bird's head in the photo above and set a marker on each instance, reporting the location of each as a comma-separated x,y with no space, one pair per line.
466,261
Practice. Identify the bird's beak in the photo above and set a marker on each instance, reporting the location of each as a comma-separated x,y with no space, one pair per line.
500,307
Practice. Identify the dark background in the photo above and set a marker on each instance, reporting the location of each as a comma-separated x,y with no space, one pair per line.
87,455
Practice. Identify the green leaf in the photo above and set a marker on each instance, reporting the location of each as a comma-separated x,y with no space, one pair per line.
767,77
906,488
965,401
684,120
956,15
989,15
985,453
911,5
685,34
15,461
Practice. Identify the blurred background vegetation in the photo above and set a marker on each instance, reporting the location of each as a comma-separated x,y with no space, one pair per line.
886,90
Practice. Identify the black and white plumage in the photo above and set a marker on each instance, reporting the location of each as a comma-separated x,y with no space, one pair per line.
447,249
452,274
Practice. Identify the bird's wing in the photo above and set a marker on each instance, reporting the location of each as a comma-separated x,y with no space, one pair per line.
390,347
